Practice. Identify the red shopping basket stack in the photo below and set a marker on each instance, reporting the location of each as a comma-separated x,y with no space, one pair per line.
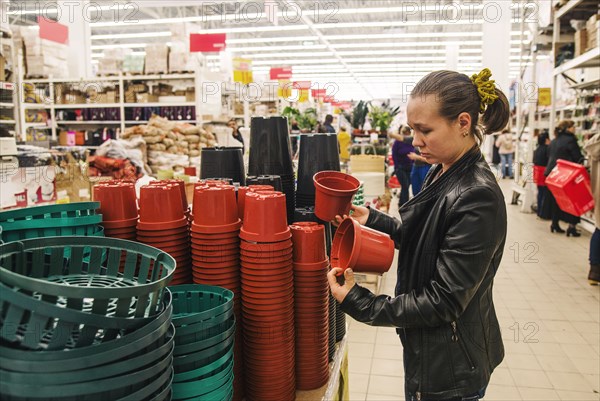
538,176
570,184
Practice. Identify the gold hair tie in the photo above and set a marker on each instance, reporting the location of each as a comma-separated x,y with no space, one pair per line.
485,87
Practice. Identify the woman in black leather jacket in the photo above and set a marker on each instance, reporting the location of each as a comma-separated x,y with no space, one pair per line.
450,239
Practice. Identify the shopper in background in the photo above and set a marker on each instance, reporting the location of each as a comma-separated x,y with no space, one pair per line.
401,148
344,142
564,146
327,126
592,148
450,239
237,135
506,149
419,171
496,156
540,160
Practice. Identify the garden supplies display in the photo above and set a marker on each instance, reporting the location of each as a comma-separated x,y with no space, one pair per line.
270,154
318,152
134,366
163,224
118,205
205,328
52,220
311,294
216,251
267,298
241,195
171,137
223,162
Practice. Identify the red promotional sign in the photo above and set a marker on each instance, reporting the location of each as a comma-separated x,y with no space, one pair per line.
342,105
207,43
301,85
53,31
278,73
328,99
319,93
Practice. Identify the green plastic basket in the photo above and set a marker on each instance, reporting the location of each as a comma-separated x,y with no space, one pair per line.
196,332
73,360
38,232
196,303
100,276
68,210
199,360
204,386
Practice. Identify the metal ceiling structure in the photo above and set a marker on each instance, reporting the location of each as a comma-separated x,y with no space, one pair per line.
368,48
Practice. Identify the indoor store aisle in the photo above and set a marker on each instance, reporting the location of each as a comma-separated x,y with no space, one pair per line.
549,316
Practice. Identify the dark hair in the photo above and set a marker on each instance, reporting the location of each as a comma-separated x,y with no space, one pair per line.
328,118
456,93
563,126
542,138
405,130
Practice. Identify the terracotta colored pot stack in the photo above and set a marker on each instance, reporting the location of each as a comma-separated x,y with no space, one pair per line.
241,195
118,206
216,254
268,298
163,225
311,300
181,185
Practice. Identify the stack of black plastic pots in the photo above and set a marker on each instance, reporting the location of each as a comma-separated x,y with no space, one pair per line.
272,180
270,154
226,162
90,332
318,152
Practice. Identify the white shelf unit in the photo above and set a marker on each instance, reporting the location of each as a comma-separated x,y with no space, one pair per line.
120,84
582,64
9,101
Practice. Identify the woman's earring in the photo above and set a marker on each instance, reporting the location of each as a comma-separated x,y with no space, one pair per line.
465,133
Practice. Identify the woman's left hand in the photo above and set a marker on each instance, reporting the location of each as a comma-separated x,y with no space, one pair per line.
338,291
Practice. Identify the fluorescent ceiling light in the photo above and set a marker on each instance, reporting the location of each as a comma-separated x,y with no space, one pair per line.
274,40
133,35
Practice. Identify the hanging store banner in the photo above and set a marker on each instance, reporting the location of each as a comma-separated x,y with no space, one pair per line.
303,95
319,94
242,70
544,97
53,31
207,43
328,99
285,89
302,85
279,73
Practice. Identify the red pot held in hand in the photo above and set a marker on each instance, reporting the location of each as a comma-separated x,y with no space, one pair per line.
117,201
215,209
361,249
265,218
333,193
309,242
160,204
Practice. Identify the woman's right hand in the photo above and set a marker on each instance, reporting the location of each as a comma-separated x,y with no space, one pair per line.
360,214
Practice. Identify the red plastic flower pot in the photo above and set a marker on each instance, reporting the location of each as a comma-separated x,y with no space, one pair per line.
263,265
251,281
180,184
309,242
209,237
311,267
265,299
333,193
215,259
265,258
164,227
265,218
163,233
266,255
258,275
219,276
215,207
120,231
160,204
181,237
215,254
222,265
361,249
174,245
206,249
216,243
570,184
266,247
120,224
117,201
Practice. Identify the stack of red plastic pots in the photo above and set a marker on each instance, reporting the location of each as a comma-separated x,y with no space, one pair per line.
163,225
181,185
241,196
268,298
216,251
311,298
118,205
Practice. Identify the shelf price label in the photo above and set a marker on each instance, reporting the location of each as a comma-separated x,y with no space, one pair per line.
242,70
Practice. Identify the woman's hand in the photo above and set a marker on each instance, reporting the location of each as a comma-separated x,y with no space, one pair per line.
338,291
412,156
360,214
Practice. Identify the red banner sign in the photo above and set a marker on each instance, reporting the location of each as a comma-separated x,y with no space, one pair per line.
319,93
301,85
207,43
278,73
328,99
53,31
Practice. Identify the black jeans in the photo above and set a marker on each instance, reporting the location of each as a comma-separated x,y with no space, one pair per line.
403,176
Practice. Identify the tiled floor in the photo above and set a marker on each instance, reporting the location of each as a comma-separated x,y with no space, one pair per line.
549,315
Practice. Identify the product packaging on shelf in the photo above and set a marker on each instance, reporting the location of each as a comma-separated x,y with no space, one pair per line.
581,39
157,58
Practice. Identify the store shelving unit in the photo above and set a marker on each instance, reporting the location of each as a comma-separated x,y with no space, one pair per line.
583,71
119,83
9,117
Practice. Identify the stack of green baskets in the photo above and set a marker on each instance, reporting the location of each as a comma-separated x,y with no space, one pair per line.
204,341
52,220
85,318
359,197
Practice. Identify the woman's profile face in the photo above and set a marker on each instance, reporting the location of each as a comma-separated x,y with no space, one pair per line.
438,140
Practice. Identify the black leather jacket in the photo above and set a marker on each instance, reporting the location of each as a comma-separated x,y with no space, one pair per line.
450,241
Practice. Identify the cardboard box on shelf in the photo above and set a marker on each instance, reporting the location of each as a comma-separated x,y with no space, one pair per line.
580,42
190,95
146,98
2,64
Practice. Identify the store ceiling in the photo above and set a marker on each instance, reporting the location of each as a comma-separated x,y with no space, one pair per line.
367,48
